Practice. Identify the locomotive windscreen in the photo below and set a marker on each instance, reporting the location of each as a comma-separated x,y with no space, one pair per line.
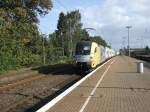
83,48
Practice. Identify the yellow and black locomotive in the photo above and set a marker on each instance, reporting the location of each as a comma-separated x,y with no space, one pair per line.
89,54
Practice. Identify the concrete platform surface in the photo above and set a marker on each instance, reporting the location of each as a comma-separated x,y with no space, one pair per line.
116,87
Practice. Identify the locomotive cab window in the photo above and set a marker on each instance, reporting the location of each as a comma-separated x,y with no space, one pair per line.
83,48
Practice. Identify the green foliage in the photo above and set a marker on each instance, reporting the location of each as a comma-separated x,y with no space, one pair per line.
20,42
13,55
99,40
25,10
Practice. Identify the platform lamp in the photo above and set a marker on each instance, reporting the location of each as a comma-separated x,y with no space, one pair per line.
128,27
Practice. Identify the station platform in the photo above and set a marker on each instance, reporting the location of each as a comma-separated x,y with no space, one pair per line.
115,87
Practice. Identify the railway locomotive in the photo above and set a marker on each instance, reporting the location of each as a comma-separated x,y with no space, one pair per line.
88,55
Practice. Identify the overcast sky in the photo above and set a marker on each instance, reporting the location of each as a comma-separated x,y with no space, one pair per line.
108,17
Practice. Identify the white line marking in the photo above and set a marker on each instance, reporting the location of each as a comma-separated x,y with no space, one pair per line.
59,97
93,91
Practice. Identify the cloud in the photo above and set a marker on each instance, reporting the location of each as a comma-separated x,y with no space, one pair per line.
110,19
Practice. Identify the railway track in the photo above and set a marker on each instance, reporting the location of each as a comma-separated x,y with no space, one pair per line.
31,101
20,82
142,57
13,84
37,97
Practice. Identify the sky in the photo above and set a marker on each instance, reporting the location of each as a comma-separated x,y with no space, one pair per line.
109,18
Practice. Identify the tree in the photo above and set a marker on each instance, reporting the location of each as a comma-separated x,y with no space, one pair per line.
20,40
26,10
62,30
21,16
69,32
99,40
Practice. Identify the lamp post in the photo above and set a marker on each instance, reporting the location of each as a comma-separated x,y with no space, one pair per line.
128,27
43,47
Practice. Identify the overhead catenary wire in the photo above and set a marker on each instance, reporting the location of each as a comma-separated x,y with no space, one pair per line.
62,5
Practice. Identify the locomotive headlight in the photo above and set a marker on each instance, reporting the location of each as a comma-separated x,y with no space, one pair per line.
91,57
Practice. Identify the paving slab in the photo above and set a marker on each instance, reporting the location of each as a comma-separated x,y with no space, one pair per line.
121,89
